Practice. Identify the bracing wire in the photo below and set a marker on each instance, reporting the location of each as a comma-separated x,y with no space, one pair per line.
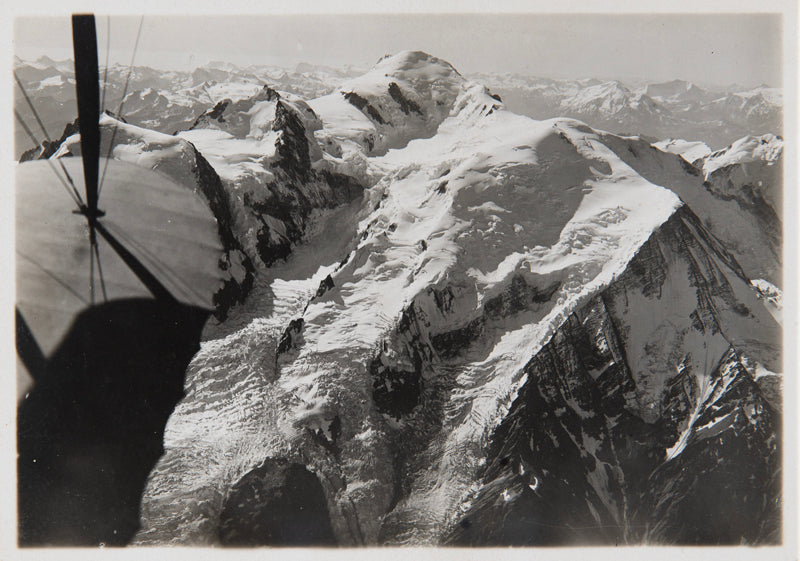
33,109
155,263
105,72
121,104
91,270
44,130
100,270
72,192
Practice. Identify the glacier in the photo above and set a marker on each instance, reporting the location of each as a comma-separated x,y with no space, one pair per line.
449,324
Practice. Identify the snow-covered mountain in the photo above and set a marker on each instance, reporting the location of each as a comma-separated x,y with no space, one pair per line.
467,326
613,102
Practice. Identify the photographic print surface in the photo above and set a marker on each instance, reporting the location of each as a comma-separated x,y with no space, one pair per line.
400,280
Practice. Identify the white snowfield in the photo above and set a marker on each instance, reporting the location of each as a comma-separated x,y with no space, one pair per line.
687,149
463,198
765,148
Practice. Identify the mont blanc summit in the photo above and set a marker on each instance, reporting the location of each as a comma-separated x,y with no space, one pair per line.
445,323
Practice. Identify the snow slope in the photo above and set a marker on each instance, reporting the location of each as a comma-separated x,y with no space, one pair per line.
402,98
385,355
752,163
730,203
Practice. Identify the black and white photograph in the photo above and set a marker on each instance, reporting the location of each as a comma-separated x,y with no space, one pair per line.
360,277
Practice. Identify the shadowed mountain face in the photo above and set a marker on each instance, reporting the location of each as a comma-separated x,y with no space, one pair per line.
574,463
278,504
91,429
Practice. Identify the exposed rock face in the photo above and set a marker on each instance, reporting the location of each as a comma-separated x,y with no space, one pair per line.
277,504
289,337
406,105
47,149
738,202
275,193
283,208
234,261
215,114
361,103
292,145
600,447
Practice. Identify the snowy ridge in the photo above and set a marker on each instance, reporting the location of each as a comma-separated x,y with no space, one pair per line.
258,157
767,148
750,171
737,203
387,370
644,352
689,150
165,101
609,100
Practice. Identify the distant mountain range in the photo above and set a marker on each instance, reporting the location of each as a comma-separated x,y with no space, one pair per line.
168,101
676,109
165,101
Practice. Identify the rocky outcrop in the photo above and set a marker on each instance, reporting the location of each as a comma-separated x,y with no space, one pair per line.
364,105
48,148
600,447
273,195
406,105
214,114
738,203
292,145
284,207
278,504
235,262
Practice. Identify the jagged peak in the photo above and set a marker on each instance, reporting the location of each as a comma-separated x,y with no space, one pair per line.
266,93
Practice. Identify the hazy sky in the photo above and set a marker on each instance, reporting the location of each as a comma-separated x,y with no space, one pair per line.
705,48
